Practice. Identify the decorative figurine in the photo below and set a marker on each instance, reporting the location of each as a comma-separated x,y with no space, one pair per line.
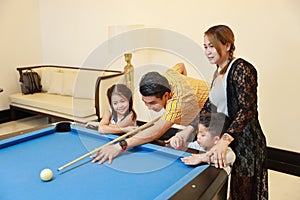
128,70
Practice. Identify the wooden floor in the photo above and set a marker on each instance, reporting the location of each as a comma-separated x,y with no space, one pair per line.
22,124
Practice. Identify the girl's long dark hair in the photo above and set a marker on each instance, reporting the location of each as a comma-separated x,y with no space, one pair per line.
123,90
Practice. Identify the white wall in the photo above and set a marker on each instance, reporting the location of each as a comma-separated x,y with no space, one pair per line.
20,42
67,32
267,34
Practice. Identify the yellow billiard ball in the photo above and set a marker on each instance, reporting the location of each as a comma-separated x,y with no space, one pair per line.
46,175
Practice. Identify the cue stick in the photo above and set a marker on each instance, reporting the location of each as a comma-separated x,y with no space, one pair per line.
146,125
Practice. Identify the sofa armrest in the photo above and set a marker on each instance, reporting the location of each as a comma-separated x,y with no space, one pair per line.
21,69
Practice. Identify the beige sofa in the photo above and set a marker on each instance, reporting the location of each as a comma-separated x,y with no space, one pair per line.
68,93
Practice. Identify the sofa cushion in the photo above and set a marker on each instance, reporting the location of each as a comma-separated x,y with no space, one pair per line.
56,103
46,74
56,83
69,79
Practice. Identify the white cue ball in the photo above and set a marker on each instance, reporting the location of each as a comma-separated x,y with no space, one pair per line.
46,174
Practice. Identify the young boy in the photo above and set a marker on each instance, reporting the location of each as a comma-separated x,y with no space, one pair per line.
211,128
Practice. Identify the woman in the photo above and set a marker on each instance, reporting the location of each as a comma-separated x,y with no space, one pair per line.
234,93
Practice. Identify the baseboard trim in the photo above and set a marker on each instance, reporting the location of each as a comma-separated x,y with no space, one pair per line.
283,161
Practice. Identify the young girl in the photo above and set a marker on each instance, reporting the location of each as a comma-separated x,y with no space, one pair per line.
121,117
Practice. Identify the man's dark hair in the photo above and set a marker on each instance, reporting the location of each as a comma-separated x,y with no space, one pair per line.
154,84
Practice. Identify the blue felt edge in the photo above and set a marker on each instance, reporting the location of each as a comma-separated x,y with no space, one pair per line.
168,193
81,130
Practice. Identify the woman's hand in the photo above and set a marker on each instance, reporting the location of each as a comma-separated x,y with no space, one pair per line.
218,152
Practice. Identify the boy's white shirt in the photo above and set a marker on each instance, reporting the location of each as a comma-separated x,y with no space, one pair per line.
195,145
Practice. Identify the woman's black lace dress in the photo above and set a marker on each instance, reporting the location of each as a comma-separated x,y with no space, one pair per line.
249,173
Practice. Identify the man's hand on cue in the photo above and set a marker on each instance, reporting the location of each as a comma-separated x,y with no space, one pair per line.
107,153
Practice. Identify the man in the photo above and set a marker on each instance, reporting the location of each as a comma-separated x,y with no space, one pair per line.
181,96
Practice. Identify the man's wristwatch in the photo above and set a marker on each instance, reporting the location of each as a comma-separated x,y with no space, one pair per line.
123,145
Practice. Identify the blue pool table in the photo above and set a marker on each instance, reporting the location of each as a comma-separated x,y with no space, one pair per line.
145,172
